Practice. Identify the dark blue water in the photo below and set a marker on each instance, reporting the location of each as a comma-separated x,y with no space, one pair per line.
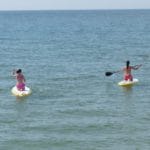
64,56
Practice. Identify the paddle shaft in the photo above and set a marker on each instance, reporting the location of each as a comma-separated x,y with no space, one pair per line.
111,73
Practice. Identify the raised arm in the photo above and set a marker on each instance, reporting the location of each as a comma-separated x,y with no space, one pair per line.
136,67
14,72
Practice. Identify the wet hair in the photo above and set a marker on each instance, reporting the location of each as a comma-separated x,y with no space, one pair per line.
127,63
19,71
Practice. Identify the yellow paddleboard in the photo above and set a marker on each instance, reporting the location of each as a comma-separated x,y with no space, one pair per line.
18,93
128,83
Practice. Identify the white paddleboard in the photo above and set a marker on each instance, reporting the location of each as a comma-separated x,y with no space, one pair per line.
18,93
128,83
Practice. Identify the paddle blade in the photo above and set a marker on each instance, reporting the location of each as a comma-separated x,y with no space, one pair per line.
108,73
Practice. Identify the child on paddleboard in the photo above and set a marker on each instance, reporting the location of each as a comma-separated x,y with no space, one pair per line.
20,79
127,71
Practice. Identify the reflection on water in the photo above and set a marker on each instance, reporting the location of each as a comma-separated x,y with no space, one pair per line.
127,89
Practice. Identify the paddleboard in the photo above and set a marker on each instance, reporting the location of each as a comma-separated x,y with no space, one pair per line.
18,93
128,83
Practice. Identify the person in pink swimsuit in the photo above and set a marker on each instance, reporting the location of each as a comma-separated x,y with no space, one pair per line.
127,71
20,80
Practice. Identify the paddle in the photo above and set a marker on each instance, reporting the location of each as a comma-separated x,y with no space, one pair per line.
111,73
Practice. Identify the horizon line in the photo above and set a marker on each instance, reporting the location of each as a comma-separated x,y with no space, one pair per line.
75,9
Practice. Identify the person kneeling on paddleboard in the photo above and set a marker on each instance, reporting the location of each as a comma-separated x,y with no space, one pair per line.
127,71
20,79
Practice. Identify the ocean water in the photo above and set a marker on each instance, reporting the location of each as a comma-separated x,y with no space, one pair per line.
64,56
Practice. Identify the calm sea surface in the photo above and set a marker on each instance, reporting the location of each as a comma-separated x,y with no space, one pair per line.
64,56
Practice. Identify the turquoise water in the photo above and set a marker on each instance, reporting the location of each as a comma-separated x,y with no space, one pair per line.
64,56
